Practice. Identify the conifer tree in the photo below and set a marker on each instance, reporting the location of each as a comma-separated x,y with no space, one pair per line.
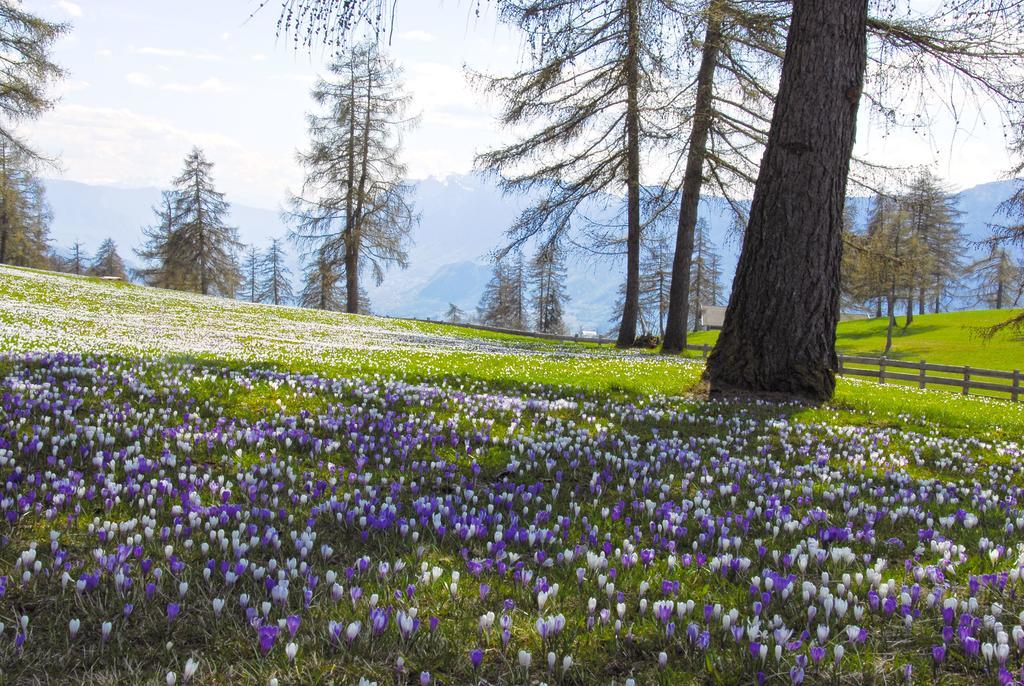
999,279
107,262
26,42
202,243
595,94
191,247
250,288
322,283
646,320
891,251
935,221
24,212
503,301
275,276
454,315
77,259
163,252
354,197
1007,237
656,278
705,275
861,284
547,274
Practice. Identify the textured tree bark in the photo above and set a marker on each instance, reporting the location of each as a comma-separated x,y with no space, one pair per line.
351,220
693,178
4,229
631,304
891,310
780,325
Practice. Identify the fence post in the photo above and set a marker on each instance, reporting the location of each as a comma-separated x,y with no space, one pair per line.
704,352
881,369
967,380
921,383
842,363
1015,393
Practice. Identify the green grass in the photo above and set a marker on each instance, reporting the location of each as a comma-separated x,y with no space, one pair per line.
907,434
113,318
953,338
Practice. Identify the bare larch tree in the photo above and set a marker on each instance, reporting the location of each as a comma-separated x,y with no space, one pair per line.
354,212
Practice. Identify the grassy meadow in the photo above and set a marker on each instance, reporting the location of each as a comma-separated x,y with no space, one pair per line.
954,338
203,491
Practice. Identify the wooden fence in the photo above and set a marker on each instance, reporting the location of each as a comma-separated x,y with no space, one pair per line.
964,378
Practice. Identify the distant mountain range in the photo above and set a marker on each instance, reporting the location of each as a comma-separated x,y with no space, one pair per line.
462,219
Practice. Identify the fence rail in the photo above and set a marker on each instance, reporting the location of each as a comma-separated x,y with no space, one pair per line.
967,378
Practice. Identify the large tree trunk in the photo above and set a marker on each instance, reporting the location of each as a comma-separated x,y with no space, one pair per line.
631,301
891,310
356,236
351,220
5,217
352,274
693,178
4,230
780,326
910,310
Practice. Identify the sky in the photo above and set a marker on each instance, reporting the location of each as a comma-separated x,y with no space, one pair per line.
149,79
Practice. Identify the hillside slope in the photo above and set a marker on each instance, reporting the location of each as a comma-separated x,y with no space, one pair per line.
44,311
946,338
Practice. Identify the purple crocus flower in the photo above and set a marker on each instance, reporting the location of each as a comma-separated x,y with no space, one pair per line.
268,636
293,622
378,620
476,656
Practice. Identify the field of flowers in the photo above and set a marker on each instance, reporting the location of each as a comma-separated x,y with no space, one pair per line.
191,506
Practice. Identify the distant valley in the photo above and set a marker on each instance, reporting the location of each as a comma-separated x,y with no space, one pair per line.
462,219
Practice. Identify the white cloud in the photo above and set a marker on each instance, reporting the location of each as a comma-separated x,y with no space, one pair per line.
442,96
187,54
67,87
211,85
417,35
128,148
69,8
104,52
307,79
258,57
139,79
